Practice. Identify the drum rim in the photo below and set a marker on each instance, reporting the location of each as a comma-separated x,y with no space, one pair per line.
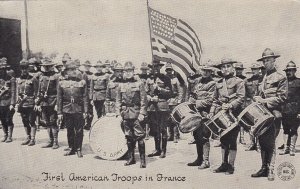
246,110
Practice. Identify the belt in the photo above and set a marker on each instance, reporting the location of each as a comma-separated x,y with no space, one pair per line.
99,89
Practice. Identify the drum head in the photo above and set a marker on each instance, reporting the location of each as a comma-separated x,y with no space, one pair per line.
107,139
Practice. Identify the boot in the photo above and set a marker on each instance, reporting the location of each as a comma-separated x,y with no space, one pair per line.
55,138
157,151
131,159
50,143
281,147
5,131
271,175
199,159
79,153
164,147
287,146
205,164
27,140
69,153
232,155
10,131
192,141
263,172
142,153
242,139
293,145
32,141
224,165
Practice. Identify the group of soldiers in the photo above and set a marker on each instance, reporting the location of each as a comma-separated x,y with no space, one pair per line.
66,93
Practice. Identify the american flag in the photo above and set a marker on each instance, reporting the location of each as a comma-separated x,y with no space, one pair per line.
174,41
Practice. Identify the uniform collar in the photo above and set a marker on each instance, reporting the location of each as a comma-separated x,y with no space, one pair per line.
271,71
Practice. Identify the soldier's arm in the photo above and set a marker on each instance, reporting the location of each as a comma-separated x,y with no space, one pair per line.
92,88
59,98
85,97
143,94
35,86
280,96
207,99
215,102
118,100
13,91
240,95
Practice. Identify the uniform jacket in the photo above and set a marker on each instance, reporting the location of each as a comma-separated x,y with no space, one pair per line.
27,88
111,94
98,86
87,76
202,94
251,87
72,96
273,89
229,90
8,90
292,104
177,90
131,99
164,93
47,93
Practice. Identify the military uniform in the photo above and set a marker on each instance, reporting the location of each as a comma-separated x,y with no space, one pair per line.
47,95
202,97
290,112
7,101
27,87
273,91
98,89
230,90
72,103
131,103
158,110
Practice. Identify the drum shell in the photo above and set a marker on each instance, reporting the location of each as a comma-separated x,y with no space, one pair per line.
107,139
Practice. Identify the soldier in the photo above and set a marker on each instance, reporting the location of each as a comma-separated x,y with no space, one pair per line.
59,67
72,106
202,97
66,57
229,97
46,101
7,101
27,87
159,91
272,93
173,102
239,68
112,86
291,110
111,69
87,76
251,87
107,69
131,105
98,88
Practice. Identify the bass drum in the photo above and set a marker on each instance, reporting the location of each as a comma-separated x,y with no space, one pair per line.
107,139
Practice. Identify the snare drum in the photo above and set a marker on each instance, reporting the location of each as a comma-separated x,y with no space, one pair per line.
256,119
222,123
186,115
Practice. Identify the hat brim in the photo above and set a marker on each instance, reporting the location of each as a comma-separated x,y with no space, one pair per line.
219,65
290,68
151,65
239,68
261,59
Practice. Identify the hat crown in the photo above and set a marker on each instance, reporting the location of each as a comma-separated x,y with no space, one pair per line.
99,63
226,60
87,63
24,63
239,65
47,61
291,65
169,66
128,66
118,66
71,64
107,62
256,65
268,52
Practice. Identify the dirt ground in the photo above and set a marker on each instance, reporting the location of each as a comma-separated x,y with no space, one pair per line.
26,167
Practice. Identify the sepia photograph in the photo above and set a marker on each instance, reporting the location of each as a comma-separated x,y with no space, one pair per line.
149,94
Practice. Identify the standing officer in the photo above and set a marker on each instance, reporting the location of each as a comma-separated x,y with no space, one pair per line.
87,76
131,105
202,97
251,87
159,91
112,86
98,88
229,97
7,101
173,102
291,110
239,68
46,101
72,105
27,87
272,93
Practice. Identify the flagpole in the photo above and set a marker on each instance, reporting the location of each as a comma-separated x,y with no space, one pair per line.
26,31
150,31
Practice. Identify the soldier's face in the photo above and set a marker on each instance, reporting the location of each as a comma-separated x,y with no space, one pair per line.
227,69
169,71
71,72
24,71
118,73
128,74
206,73
156,70
255,71
290,73
239,71
87,68
144,71
269,63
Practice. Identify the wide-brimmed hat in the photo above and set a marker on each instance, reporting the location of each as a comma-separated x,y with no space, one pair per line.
66,57
256,65
99,63
3,63
87,63
168,66
24,63
128,66
155,63
268,53
290,65
239,65
144,66
107,63
71,65
47,62
226,60
118,66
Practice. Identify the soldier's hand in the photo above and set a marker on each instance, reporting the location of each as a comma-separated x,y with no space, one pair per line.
210,115
11,107
141,117
226,106
298,116
258,99
59,119
55,107
155,99
192,100
92,102
37,108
